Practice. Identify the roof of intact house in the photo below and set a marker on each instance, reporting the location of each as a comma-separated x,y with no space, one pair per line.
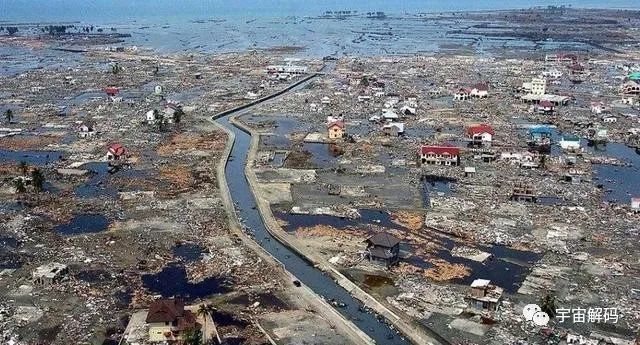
546,104
383,239
116,149
398,125
112,90
336,123
165,310
480,283
481,87
450,150
480,129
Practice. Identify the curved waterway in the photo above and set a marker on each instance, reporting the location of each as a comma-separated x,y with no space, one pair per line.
319,282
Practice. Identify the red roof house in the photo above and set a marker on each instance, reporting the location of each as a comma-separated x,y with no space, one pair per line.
111,91
440,150
546,106
480,133
479,129
115,151
171,314
439,155
340,124
335,129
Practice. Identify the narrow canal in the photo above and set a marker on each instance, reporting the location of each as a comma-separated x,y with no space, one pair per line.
320,283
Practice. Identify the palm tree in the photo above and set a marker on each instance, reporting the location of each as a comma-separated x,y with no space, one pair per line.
160,121
192,337
24,168
8,115
19,185
548,305
177,115
37,178
205,311
543,161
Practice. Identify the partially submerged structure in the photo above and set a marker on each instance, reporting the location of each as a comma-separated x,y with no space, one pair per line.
383,248
484,296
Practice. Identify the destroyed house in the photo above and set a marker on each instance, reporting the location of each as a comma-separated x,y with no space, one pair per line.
523,192
383,248
167,320
484,296
540,132
440,155
393,129
50,273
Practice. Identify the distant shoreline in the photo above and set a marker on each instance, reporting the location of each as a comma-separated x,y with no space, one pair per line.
319,15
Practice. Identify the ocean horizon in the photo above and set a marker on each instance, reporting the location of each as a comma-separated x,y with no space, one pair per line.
144,11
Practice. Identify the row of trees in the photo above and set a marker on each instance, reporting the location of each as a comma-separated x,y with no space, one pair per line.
37,179
11,30
161,121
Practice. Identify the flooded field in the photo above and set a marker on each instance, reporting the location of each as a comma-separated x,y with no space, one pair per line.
370,217
505,267
188,252
172,281
83,224
620,183
440,186
38,158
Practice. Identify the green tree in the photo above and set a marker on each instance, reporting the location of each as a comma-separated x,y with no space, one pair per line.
37,179
160,120
548,305
206,311
115,68
192,337
543,161
19,186
177,115
24,168
8,115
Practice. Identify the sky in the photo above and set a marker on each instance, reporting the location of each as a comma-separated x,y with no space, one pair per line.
148,10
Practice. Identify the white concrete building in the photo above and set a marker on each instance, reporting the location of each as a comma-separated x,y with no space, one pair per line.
538,86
